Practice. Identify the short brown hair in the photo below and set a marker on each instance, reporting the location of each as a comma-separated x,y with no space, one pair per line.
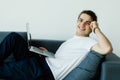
90,13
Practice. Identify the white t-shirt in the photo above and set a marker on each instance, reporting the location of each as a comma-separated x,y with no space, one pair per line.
69,55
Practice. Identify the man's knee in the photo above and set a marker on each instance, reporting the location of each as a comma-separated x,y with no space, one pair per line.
14,34
87,69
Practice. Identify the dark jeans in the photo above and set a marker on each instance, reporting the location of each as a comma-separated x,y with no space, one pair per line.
25,65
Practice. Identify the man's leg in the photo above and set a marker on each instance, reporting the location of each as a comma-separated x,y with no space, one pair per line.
32,68
27,69
15,44
88,68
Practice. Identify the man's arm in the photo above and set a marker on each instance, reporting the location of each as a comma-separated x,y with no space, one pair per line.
103,46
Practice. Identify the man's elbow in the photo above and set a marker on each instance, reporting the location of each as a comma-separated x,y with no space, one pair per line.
108,50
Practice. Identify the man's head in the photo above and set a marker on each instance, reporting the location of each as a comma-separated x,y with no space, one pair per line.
83,23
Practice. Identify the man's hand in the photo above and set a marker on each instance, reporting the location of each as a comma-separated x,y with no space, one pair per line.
42,48
94,26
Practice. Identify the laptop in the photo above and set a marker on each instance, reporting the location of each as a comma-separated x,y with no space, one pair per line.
36,49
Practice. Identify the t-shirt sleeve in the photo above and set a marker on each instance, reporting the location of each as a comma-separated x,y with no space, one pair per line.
91,43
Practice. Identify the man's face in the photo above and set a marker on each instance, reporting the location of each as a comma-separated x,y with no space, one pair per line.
83,25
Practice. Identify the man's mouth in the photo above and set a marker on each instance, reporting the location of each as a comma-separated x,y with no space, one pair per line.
81,28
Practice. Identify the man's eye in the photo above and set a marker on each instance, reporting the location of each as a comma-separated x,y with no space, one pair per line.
87,23
80,20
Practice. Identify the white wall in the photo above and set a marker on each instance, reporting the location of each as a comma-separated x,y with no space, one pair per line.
56,19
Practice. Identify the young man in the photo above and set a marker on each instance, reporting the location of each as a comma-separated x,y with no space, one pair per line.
70,54
73,51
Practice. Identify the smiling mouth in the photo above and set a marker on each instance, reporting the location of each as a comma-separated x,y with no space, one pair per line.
82,29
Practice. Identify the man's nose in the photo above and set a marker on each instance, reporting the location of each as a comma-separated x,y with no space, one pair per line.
82,24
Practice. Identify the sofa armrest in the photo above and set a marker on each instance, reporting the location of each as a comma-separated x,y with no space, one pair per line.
110,70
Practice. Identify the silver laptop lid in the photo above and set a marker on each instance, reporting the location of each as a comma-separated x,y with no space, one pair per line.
28,35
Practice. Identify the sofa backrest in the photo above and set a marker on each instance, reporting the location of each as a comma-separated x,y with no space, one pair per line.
50,45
